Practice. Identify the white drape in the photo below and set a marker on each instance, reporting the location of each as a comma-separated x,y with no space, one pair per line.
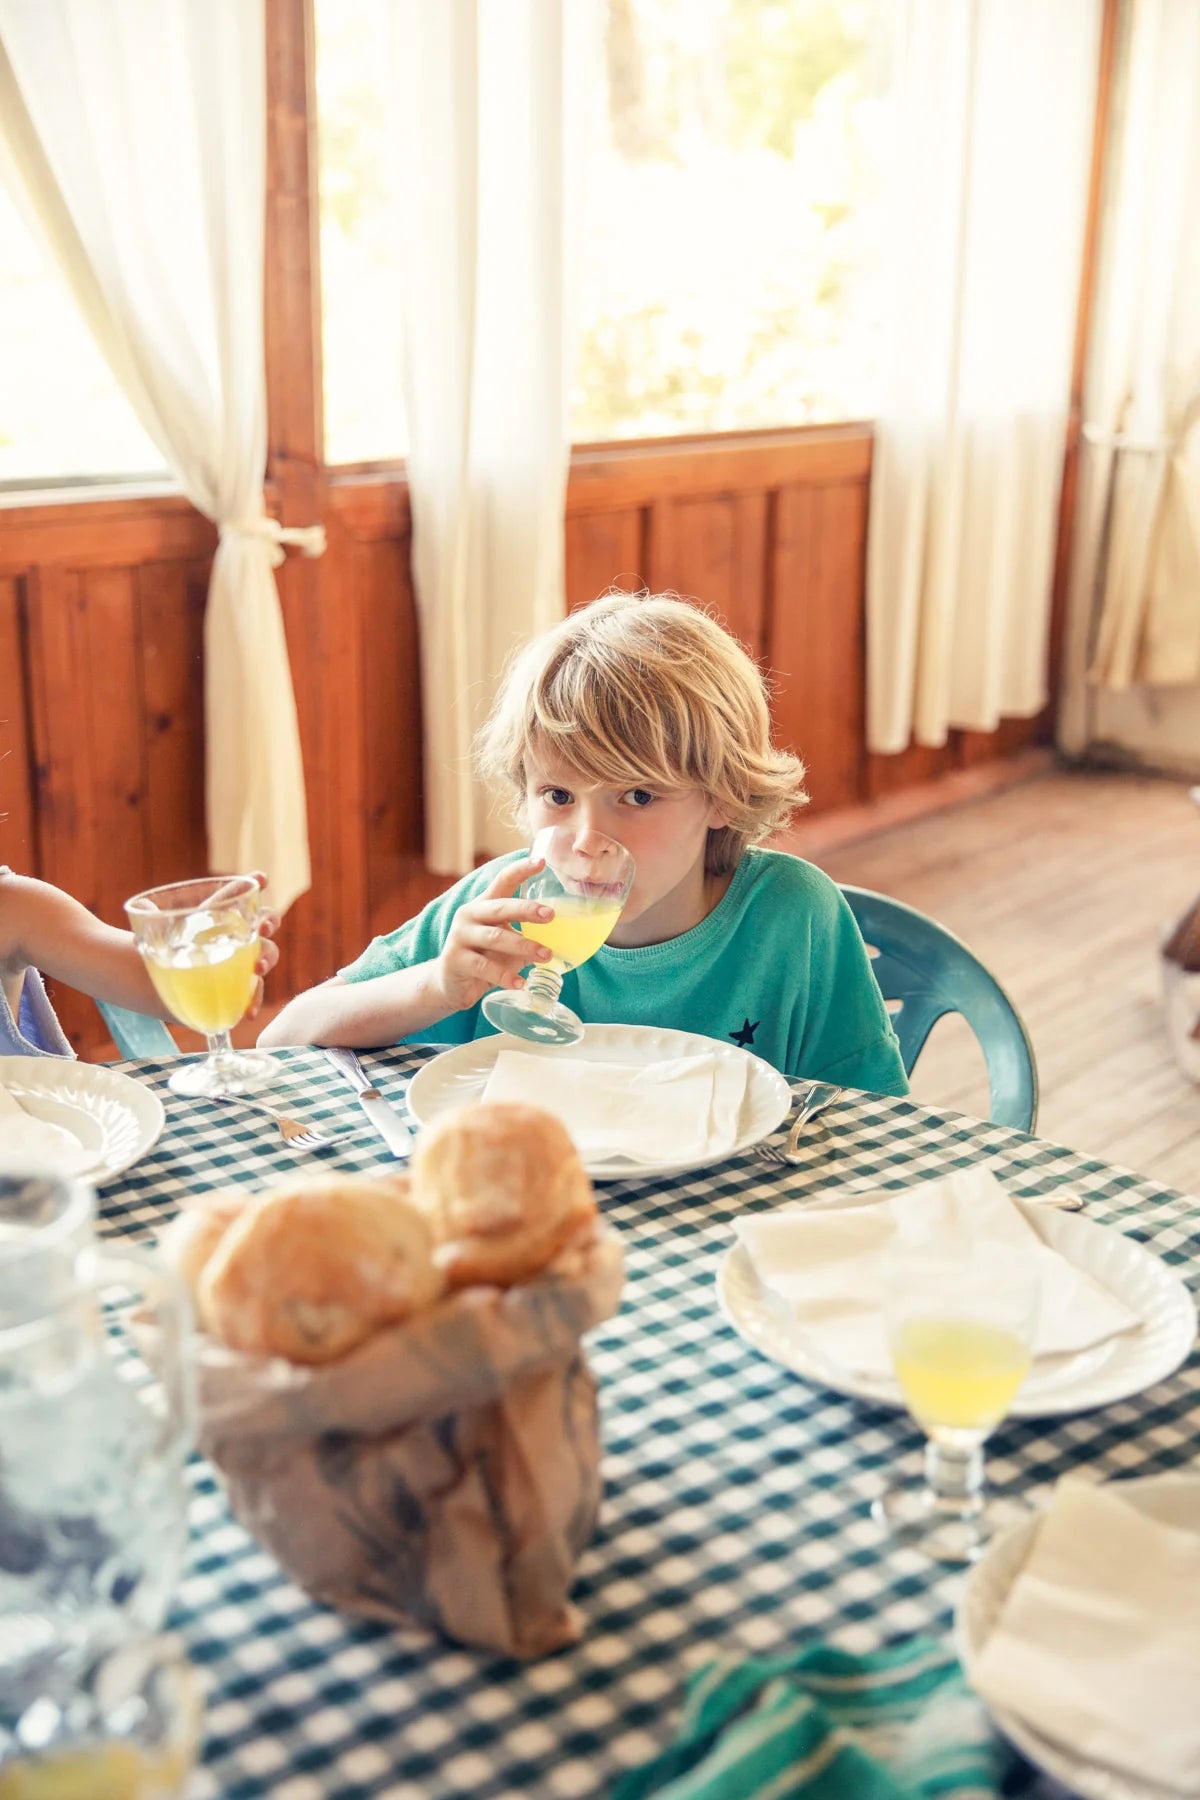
493,104
136,130
1142,495
986,199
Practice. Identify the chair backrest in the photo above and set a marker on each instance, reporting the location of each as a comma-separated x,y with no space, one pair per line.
931,973
136,1034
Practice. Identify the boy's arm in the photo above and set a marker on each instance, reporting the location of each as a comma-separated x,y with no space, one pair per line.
361,1014
478,950
41,927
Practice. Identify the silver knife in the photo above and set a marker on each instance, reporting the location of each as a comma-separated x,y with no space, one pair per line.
386,1120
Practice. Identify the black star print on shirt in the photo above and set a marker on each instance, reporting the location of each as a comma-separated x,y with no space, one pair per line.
746,1034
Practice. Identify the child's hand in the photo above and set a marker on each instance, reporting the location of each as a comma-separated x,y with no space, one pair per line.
268,925
482,951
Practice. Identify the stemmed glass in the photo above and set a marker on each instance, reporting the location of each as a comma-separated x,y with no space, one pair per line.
960,1328
586,878
200,943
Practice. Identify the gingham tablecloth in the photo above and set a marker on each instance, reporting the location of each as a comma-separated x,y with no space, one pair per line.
736,1503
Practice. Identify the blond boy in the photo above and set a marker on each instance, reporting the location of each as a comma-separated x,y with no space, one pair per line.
638,717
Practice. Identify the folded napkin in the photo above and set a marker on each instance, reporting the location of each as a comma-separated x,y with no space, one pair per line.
660,1112
1098,1642
828,1266
898,1725
27,1142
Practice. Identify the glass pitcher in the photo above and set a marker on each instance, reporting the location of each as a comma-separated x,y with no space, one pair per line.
93,1442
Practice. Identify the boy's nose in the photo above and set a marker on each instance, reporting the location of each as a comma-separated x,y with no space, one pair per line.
591,843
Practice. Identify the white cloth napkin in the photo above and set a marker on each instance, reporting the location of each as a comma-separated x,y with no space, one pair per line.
1098,1641
828,1266
664,1112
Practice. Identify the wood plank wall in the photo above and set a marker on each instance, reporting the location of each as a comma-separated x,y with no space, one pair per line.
101,619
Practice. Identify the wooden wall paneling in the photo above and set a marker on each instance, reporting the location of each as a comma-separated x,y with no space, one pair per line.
711,549
913,767
103,534
603,550
394,796
116,712
171,601
60,657
815,635
18,830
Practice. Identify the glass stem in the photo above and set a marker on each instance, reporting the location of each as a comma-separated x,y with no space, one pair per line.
220,1047
543,985
954,1473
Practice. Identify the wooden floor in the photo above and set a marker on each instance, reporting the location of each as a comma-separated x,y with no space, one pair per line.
1063,885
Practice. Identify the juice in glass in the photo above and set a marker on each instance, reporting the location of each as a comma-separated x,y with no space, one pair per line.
580,925
958,1374
207,983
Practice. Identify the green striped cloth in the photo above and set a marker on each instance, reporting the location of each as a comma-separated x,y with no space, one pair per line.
898,1725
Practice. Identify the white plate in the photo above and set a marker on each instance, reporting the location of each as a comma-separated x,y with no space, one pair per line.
1063,1384
111,1115
460,1075
1173,1500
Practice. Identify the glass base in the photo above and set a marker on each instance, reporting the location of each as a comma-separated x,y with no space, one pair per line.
541,1023
947,1529
224,1072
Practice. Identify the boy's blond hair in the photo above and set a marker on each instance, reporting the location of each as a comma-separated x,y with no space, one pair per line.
645,688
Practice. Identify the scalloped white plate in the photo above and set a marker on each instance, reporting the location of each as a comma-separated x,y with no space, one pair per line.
460,1075
115,1118
1062,1384
1172,1499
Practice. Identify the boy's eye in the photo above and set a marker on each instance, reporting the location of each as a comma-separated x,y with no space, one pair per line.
640,797
557,796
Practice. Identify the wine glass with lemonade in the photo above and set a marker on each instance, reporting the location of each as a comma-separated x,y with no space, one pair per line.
586,878
200,943
960,1328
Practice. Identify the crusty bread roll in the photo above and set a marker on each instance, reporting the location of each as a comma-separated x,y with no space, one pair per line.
316,1266
504,1190
194,1233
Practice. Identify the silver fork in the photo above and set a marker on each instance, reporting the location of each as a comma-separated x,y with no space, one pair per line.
820,1095
295,1135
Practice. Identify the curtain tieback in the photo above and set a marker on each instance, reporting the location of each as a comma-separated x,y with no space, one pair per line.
308,539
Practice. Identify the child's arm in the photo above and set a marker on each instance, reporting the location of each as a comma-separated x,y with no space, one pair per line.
42,927
481,952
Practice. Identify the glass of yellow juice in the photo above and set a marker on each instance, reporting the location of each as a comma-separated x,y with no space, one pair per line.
200,943
960,1327
131,1733
586,877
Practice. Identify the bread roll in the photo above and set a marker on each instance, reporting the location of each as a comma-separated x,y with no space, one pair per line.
194,1233
314,1267
504,1190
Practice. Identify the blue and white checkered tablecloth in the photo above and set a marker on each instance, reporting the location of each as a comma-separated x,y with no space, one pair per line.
736,1496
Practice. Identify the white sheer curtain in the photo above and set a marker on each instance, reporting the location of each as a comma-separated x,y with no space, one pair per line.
493,108
1140,501
986,201
136,132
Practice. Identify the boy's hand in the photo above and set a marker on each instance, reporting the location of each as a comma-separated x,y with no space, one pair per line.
482,951
268,925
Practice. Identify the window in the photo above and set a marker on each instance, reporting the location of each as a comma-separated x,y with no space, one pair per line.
360,281
731,224
731,218
62,416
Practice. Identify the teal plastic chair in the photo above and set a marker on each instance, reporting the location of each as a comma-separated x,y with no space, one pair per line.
136,1034
930,972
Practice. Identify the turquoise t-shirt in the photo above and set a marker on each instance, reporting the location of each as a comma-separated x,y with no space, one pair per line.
778,967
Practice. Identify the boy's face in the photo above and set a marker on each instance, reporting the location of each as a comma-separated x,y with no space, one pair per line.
666,833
